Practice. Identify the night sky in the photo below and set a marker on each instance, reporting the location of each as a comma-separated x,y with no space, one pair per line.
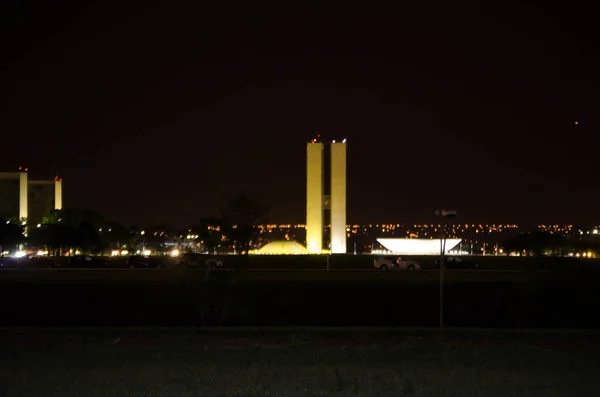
152,114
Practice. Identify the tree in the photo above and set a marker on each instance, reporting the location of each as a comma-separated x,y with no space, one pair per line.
518,243
11,235
88,239
241,214
116,236
56,238
65,229
75,217
210,234
537,243
53,217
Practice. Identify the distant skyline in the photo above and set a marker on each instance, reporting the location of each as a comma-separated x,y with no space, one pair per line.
151,115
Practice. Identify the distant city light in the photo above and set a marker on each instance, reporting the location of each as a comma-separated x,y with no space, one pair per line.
147,252
20,254
175,253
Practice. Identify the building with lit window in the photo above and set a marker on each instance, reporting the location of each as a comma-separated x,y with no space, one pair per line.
24,199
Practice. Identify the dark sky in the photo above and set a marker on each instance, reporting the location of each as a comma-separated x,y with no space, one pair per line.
152,114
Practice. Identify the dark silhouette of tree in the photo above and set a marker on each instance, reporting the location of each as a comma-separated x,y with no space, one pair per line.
516,244
53,217
210,234
75,218
56,238
116,236
62,230
241,214
537,243
11,235
88,239
584,244
154,238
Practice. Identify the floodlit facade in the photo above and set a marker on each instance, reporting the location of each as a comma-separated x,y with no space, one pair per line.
314,197
317,201
23,198
23,194
338,198
405,246
43,196
58,193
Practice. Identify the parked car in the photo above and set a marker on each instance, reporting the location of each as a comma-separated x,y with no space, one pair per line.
39,262
395,263
214,262
193,260
144,262
8,263
457,262
87,262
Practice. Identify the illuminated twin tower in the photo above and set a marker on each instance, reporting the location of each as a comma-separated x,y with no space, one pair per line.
317,201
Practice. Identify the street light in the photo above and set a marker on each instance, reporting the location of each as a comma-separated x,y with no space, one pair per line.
443,214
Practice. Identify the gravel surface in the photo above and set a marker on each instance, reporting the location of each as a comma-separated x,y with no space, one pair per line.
169,362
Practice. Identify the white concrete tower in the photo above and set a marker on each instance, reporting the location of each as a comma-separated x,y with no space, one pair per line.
58,193
314,197
338,197
23,194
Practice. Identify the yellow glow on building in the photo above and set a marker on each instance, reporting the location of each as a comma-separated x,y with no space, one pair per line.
314,197
338,198
58,204
23,195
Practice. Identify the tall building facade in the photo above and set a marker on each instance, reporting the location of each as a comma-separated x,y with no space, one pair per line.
23,198
338,198
318,200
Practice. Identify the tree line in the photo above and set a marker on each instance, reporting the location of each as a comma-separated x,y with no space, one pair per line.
542,243
88,231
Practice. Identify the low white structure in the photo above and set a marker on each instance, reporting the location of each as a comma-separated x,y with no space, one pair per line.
283,248
413,246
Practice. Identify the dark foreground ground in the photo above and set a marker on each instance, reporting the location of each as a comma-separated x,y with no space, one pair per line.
322,262
182,297
296,362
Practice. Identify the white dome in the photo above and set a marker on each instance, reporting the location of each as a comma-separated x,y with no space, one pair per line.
283,248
